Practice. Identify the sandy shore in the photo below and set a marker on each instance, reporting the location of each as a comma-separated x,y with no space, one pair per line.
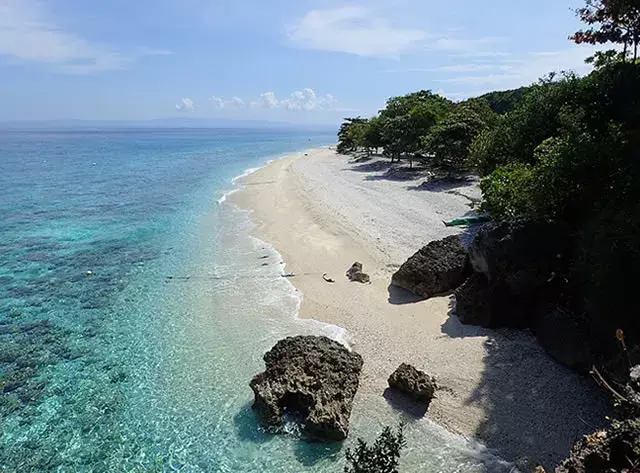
323,212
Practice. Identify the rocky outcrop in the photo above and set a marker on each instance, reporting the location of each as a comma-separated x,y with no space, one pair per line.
473,306
514,274
355,274
521,257
615,449
416,384
439,267
312,378
565,339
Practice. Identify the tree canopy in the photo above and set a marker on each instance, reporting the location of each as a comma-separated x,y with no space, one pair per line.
381,457
611,21
420,124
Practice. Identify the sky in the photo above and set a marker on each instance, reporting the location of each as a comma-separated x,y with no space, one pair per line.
299,61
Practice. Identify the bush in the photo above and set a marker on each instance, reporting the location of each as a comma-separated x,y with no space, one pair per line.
571,155
381,457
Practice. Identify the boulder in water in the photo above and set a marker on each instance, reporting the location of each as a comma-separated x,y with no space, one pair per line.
314,378
439,267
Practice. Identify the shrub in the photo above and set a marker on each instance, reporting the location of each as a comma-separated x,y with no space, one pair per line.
381,457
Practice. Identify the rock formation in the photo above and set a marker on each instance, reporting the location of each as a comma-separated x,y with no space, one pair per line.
355,274
415,383
515,266
439,267
313,378
615,449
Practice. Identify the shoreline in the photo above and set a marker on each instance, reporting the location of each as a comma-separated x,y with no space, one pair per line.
320,218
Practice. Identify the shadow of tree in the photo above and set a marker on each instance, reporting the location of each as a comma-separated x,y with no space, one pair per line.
535,408
399,296
400,173
444,184
383,169
371,166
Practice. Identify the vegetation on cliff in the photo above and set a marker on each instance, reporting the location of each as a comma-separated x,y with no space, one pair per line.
563,153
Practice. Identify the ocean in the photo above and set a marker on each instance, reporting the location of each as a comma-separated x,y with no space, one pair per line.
135,307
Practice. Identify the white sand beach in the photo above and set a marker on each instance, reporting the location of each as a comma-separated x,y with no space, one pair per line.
323,212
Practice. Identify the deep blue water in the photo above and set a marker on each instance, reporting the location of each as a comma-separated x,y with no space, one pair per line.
134,309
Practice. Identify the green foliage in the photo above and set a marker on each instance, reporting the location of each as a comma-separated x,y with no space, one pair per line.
372,137
408,119
575,135
517,134
402,106
351,134
571,154
603,59
505,101
448,142
506,192
611,21
381,457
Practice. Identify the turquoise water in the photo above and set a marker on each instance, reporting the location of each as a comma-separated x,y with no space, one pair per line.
135,308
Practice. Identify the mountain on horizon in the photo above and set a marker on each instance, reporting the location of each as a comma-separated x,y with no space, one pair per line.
180,122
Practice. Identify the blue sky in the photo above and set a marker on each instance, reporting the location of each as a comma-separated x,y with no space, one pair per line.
308,61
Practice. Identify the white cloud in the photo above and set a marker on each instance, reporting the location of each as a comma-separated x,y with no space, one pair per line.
233,102
353,30
29,33
301,100
217,101
186,105
456,68
473,68
527,71
267,100
237,102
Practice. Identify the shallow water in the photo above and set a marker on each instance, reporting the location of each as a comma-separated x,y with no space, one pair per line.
135,308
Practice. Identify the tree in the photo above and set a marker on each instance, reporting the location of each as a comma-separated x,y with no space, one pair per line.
381,457
395,136
571,155
401,106
351,134
373,134
449,142
502,102
407,119
603,59
611,21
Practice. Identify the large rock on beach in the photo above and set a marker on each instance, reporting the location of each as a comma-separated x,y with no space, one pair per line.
439,267
515,266
313,378
473,304
416,384
356,274
519,256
